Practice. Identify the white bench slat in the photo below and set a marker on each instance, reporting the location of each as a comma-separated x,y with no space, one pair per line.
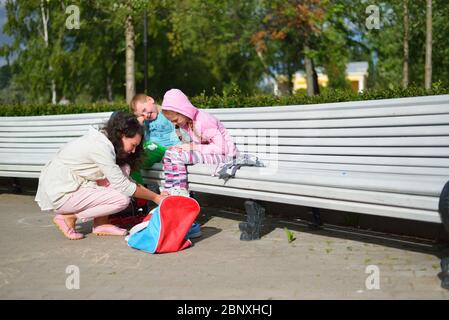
365,168
409,101
348,206
386,163
30,155
411,131
19,174
396,183
350,151
384,198
42,123
352,167
274,172
31,160
30,168
52,133
374,142
29,150
45,129
364,151
56,117
380,160
356,112
47,145
442,119
39,140
425,166
403,184
363,142
368,196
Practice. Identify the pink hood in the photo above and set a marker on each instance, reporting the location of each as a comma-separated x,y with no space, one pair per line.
214,138
176,100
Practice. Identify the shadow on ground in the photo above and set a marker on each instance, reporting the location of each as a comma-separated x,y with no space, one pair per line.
438,249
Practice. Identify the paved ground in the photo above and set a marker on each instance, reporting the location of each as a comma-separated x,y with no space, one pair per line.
35,263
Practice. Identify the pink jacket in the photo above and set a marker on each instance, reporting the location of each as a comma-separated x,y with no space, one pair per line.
214,138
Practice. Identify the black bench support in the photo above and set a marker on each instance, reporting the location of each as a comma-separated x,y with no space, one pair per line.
16,187
255,217
316,219
444,275
443,208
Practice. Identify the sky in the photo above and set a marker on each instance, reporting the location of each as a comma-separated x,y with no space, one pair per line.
3,37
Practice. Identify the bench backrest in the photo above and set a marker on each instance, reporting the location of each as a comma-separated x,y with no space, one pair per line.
27,143
409,135
411,132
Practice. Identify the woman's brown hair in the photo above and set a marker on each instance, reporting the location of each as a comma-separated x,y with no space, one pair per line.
125,124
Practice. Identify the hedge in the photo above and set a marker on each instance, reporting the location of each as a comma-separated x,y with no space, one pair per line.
233,99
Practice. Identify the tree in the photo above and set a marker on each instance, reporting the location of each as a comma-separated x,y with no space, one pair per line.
130,53
440,45
336,42
292,24
405,74
428,65
125,11
35,41
215,46
5,76
204,41
97,50
45,14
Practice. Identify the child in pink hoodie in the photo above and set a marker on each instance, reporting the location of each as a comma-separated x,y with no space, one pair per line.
210,142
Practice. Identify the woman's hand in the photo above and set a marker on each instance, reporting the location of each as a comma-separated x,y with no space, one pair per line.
158,199
164,194
144,193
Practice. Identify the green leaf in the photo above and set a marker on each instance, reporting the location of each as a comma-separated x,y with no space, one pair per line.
290,235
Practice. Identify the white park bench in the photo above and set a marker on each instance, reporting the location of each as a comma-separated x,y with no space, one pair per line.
382,157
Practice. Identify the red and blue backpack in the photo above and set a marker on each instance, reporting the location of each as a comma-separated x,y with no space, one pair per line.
166,227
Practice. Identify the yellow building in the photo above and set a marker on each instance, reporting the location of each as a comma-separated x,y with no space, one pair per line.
356,73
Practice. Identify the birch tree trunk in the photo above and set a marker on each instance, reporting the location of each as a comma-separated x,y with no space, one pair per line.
45,17
130,58
428,65
310,70
109,89
405,73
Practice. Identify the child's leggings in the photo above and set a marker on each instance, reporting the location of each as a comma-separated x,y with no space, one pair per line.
174,165
88,202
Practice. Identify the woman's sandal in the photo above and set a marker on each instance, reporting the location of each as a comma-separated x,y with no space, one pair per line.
109,230
68,232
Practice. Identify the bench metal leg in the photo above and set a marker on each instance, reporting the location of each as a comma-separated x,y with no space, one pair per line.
443,206
255,217
16,187
444,275
316,219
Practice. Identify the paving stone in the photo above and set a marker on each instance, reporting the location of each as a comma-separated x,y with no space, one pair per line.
35,262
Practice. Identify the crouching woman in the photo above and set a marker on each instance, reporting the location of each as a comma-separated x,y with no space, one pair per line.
89,177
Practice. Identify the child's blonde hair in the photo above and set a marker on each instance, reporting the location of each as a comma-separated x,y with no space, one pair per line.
140,97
